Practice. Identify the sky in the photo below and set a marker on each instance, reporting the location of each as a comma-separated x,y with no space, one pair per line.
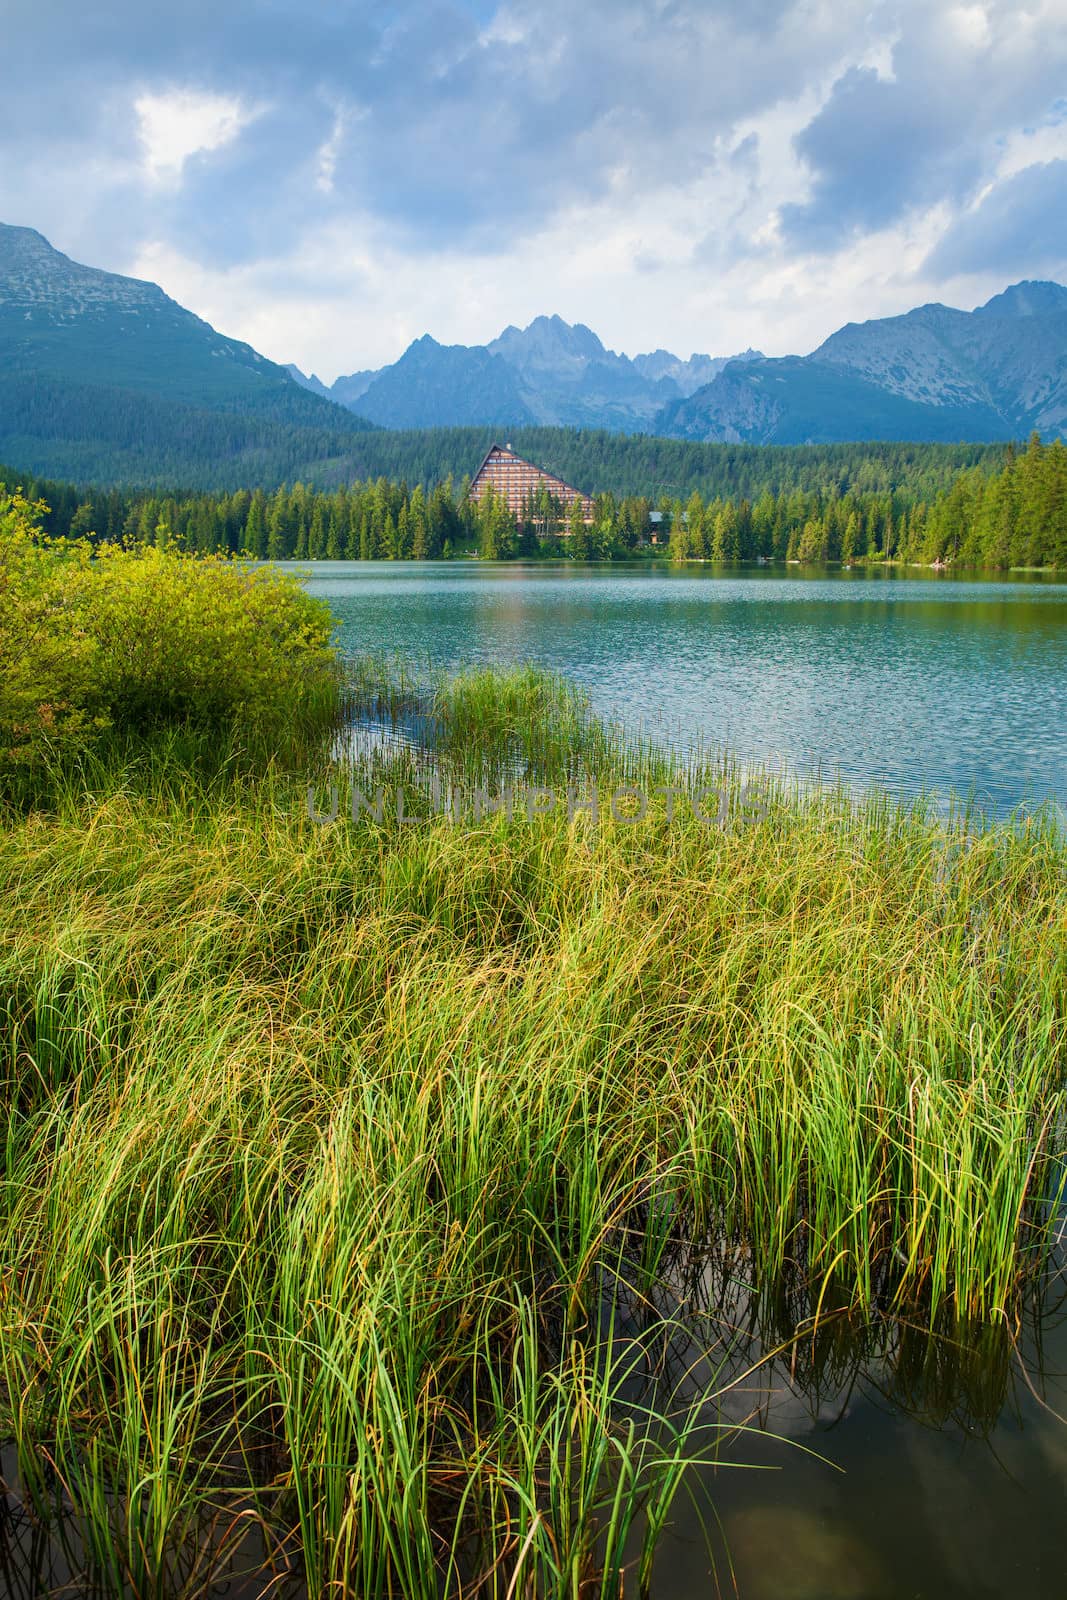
330,179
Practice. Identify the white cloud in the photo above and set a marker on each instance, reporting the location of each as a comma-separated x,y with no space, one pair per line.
178,123
970,24
346,298
1023,148
330,149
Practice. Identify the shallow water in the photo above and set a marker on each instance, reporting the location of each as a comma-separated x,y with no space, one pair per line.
936,1474
865,1463
912,682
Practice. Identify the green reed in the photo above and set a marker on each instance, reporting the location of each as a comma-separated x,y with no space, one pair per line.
323,1146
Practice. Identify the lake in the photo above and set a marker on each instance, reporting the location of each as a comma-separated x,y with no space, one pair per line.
910,682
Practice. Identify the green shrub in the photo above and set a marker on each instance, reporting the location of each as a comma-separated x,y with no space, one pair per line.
46,655
109,643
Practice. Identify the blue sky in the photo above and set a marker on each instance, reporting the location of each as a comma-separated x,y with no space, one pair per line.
331,180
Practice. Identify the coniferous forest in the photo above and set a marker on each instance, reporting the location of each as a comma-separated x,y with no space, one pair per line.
971,506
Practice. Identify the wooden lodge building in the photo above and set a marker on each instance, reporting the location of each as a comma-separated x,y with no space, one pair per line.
517,481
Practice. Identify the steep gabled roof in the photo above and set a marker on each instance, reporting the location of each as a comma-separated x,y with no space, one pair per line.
521,461
485,459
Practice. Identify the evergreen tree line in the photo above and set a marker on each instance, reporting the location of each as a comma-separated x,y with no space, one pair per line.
1012,517
1016,517
642,464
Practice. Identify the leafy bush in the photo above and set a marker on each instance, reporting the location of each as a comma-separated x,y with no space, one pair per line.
128,643
46,678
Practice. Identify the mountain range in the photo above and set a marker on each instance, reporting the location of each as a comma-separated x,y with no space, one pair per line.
933,374
104,378
550,374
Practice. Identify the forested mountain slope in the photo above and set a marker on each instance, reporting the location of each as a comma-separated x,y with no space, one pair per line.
106,377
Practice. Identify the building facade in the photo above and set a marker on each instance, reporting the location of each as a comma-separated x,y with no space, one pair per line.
518,482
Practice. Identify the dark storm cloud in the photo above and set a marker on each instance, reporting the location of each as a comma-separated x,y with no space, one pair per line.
875,152
242,202
1020,228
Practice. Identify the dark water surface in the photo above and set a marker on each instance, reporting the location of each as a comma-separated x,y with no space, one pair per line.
939,1473
915,683
869,1464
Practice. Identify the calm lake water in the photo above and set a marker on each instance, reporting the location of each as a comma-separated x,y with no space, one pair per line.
913,683
937,1472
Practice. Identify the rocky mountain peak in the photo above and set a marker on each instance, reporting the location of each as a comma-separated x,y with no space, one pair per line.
931,373
1027,299
549,341
37,278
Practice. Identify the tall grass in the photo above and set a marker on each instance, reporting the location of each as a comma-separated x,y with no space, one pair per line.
333,1155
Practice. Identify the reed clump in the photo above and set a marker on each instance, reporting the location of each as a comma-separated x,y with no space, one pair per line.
332,1152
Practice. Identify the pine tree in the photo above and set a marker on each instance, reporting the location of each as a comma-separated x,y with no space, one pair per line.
403,534
277,540
485,524
1054,504
83,522
417,525
256,528
811,545
726,535
351,534
679,537
317,533
578,543
694,511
